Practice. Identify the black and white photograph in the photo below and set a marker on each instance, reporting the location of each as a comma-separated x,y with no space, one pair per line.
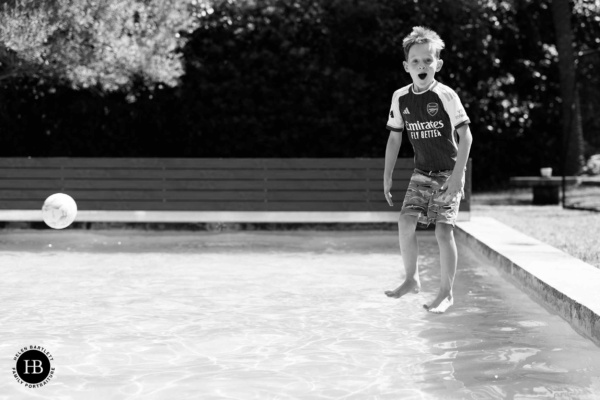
299,199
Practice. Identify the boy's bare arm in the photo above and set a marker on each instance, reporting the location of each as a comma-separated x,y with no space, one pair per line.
391,155
456,182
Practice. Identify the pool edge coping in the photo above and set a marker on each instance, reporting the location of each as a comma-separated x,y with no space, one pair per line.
539,270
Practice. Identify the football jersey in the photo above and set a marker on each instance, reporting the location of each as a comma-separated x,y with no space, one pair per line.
430,119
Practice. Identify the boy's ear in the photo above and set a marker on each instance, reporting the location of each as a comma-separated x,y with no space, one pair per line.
439,65
405,65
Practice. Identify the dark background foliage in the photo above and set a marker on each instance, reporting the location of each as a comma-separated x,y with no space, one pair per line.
314,78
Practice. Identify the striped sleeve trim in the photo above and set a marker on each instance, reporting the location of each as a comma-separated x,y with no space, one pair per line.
391,128
463,123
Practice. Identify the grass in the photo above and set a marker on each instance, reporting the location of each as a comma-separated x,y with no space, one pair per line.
575,232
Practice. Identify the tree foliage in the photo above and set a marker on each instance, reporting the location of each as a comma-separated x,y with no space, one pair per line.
289,78
586,27
325,89
105,44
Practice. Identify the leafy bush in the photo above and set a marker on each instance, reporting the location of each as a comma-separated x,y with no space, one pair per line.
291,78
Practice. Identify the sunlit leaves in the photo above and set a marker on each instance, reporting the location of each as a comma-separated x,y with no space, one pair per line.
291,77
105,44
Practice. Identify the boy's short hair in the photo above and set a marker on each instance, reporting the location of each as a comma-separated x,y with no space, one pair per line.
421,35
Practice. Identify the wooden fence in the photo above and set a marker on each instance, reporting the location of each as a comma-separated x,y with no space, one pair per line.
207,190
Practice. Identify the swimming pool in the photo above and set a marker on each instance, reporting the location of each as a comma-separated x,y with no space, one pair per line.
272,315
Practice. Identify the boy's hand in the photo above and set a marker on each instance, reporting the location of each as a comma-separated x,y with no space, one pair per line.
387,187
454,186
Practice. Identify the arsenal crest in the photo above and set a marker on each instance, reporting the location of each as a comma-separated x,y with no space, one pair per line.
432,109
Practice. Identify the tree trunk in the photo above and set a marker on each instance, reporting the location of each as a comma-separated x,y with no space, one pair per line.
571,116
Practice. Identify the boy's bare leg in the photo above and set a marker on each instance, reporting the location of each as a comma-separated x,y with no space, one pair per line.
409,249
444,234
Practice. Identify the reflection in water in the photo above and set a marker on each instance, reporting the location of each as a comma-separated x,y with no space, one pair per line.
275,316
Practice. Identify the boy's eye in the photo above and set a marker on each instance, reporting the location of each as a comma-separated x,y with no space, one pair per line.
425,61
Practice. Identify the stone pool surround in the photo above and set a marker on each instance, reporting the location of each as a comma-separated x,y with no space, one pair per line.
563,284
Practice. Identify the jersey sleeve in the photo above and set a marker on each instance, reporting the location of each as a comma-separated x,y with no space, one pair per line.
456,111
395,122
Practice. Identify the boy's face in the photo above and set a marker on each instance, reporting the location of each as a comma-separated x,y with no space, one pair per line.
422,65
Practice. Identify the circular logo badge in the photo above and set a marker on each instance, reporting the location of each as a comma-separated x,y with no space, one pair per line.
33,368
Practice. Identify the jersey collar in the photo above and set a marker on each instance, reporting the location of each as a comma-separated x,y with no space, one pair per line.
431,86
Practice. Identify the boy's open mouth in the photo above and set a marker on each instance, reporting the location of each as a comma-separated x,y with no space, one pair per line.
422,76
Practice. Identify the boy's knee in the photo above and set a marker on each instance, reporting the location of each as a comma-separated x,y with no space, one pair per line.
444,232
407,224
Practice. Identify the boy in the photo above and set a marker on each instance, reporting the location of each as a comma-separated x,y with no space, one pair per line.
432,115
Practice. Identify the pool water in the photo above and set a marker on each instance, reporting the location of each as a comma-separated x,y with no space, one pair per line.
273,315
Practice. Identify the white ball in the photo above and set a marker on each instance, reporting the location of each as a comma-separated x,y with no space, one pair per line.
59,211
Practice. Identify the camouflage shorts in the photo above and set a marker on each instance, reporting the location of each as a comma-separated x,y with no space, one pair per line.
424,199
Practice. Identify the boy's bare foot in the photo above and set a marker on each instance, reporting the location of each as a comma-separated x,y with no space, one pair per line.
440,304
409,286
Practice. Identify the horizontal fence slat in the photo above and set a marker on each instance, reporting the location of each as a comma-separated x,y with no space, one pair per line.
122,184
82,174
28,173
314,174
324,174
247,195
218,206
276,163
200,163
50,184
251,206
275,185
212,206
192,174
128,195
256,196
